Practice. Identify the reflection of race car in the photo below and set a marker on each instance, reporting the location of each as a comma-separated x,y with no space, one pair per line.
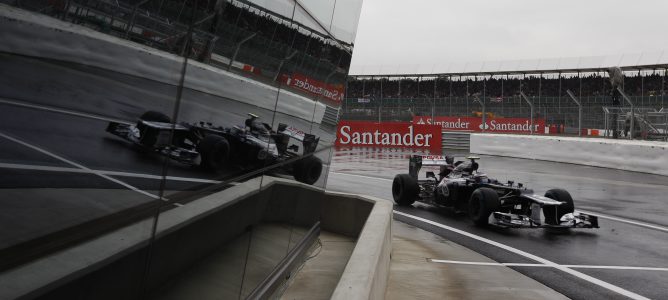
487,200
254,146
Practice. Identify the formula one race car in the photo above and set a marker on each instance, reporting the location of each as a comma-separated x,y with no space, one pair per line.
487,201
252,146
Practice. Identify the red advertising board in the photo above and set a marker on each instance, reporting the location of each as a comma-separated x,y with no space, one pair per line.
332,92
388,134
474,124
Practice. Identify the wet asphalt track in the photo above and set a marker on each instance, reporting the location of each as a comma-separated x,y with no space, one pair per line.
625,195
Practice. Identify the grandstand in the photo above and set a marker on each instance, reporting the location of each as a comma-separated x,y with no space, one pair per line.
399,97
269,46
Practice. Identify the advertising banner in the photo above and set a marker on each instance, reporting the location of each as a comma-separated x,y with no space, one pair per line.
332,92
474,124
388,134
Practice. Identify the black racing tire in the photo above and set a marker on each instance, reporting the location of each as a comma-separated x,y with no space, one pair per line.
483,202
149,137
308,169
155,116
554,213
405,189
214,151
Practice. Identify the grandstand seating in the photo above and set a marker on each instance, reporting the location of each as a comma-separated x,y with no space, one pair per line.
163,24
399,98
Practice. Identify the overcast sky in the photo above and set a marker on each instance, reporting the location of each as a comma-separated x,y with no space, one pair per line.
397,34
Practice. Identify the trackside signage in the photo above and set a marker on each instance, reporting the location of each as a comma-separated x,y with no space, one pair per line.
332,92
474,124
388,134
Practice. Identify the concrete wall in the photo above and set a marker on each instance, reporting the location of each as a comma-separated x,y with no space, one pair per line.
72,43
368,269
110,266
640,156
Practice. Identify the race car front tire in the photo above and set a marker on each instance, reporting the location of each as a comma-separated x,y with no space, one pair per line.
155,116
149,136
554,213
308,170
405,189
483,202
214,151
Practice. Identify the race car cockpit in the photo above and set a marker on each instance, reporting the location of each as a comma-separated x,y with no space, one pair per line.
464,168
256,127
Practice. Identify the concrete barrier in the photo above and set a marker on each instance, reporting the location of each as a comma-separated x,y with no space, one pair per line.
630,155
367,272
68,42
186,234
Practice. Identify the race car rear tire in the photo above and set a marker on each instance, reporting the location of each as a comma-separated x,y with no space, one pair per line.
405,189
308,170
483,202
554,213
155,116
214,151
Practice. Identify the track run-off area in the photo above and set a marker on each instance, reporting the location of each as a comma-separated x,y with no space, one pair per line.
625,258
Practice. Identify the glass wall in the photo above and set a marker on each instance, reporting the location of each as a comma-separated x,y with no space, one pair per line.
124,121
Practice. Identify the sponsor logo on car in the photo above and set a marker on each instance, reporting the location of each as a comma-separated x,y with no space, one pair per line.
434,157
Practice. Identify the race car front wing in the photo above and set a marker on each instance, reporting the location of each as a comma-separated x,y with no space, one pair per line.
570,220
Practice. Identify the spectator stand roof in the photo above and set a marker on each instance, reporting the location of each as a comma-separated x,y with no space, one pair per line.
627,62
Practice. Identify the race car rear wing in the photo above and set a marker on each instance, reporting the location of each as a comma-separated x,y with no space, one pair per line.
417,161
309,141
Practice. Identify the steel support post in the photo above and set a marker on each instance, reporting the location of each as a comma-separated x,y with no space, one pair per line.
236,50
381,101
484,111
575,99
530,106
433,104
633,114
289,57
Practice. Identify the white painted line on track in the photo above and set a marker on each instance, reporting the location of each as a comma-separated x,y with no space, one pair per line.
80,166
618,219
62,111
544,261
475,263
110,173
361,176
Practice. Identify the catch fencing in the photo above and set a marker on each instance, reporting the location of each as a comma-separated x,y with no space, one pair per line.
559,112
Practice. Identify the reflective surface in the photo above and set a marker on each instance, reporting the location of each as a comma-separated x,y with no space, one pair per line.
139,111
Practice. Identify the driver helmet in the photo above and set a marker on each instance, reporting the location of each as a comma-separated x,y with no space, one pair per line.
463,167
256,126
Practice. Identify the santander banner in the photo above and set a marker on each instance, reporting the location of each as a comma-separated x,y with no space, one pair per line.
388,134
332,92
502,125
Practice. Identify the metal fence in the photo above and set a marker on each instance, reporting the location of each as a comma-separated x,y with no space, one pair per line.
555,110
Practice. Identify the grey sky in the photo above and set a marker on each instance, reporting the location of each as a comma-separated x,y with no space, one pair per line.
400,35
